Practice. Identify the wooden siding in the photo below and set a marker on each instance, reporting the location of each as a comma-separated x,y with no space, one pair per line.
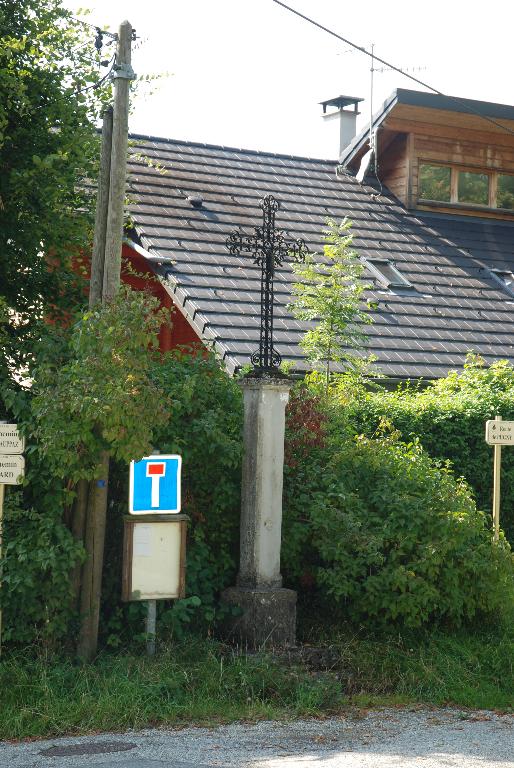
441,137
393,167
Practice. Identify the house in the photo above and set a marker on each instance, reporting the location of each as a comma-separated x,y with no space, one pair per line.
434,228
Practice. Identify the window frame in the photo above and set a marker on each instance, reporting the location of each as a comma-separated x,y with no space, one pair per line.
455,169
373,265
497,176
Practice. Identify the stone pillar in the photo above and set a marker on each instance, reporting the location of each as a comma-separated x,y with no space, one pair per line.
268,611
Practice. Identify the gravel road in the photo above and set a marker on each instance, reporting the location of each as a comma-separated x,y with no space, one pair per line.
385,738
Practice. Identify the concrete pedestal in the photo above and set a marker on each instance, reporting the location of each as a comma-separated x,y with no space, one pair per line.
267,620
269,612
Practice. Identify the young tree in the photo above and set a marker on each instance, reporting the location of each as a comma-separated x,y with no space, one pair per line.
49,103
329,291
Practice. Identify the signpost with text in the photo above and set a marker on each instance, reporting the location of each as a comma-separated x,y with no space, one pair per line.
12,470
498,433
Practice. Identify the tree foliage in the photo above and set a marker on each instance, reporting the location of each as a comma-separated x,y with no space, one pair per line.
102,397
48,152
99,395
329,291
448,416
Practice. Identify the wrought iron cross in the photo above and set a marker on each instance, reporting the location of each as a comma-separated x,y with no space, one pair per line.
269,249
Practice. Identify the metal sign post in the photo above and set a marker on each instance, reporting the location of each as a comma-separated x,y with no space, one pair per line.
12,470
155,537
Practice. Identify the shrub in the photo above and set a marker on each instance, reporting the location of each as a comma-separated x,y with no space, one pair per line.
205,428
391,537
449,419
38,555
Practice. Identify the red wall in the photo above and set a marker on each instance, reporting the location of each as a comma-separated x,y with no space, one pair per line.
180,333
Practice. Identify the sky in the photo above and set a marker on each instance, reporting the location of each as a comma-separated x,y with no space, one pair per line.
249,74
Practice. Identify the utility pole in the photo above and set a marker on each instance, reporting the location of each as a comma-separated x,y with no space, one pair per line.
102,208
123,74
105,281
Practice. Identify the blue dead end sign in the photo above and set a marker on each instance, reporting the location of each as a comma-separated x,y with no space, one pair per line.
155,485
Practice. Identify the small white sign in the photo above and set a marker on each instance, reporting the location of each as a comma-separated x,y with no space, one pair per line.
499,432
142,541
12,469
11,442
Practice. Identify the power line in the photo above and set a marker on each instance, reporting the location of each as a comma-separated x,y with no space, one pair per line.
102,80
95,27
387,64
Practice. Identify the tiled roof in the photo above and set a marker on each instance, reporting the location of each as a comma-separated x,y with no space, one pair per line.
456,305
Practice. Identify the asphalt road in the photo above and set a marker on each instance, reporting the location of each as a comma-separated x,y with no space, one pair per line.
387,738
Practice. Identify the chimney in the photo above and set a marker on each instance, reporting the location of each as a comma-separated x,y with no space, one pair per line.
343,122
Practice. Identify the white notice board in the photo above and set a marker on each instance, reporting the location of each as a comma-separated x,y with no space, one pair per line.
499,432
12,469
11,442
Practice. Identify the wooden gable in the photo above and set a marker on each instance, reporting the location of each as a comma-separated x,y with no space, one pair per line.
412,135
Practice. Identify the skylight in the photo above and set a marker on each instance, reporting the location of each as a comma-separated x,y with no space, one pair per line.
506,279
387,273
505,276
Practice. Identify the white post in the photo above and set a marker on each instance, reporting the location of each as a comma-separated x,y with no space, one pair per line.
268,612
496,487
263,467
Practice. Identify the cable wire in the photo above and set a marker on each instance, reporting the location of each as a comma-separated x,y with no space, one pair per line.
95,27
101,81
455,99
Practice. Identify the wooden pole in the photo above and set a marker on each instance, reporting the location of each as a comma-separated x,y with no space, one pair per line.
102,207
2,496
78,523
123,74
78,529
496,487
91,588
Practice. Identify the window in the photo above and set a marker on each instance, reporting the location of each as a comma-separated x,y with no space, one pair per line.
448,184
505,194
506,277
387,273
435,183
473,188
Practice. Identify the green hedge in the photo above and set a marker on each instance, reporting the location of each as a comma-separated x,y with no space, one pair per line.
205,428
449,418
372,527
382,534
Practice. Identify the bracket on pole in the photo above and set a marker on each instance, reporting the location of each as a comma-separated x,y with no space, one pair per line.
123,72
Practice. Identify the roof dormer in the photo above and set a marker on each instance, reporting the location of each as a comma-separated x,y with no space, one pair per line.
445,154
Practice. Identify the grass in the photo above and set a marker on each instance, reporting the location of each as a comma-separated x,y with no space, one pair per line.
204,682
197,681
470,670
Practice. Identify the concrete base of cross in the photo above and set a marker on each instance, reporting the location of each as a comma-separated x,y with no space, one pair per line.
267,619
268,612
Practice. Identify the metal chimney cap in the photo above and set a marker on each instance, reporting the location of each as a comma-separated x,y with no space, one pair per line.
341,101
